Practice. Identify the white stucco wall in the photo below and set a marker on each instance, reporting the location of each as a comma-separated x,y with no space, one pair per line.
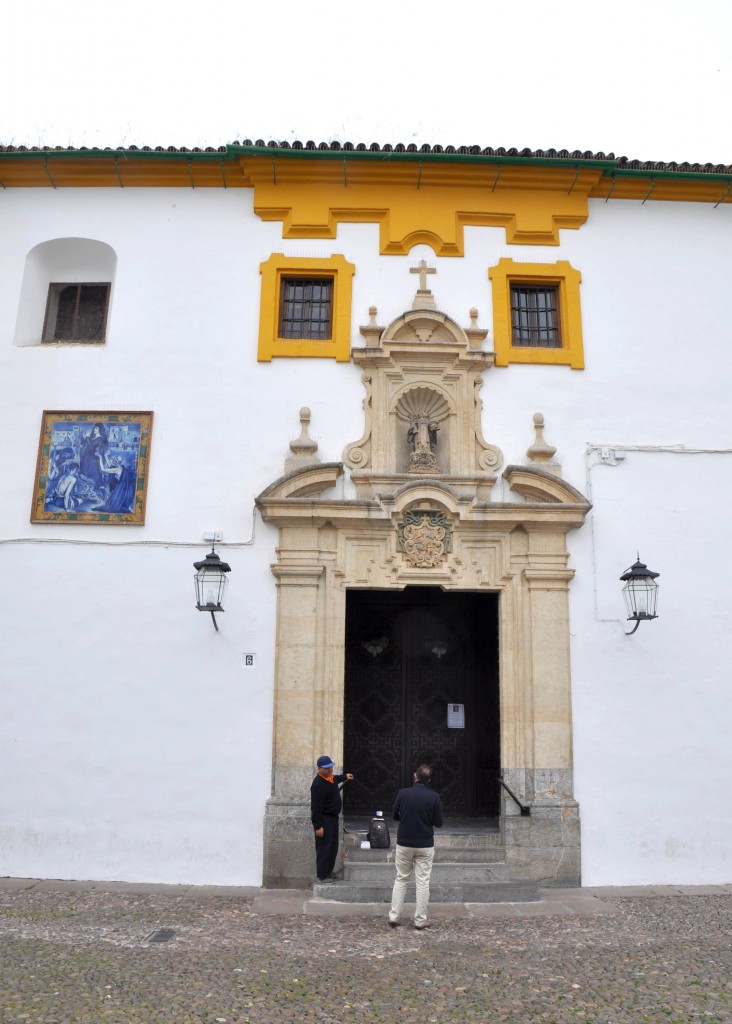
651,712
134,742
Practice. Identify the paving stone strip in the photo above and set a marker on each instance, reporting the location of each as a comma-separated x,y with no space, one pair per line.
79,954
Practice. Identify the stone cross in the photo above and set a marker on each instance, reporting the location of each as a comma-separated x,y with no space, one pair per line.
422,269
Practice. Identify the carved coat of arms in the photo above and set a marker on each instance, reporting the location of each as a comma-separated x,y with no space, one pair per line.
425,537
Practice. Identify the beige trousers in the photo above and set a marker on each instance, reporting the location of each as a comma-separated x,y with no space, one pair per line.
419,860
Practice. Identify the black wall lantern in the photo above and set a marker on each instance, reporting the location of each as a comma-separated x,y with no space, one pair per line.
211,584
640,593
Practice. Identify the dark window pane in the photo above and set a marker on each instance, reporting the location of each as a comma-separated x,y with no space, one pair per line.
66,313
535,317
306,308
76,312
92,309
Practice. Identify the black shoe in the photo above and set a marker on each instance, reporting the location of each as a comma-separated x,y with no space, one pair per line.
327,881
395,924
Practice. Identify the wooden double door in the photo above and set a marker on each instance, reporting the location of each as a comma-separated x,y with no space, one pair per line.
421,685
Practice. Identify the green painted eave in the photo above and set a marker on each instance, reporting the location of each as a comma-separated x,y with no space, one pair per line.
233,152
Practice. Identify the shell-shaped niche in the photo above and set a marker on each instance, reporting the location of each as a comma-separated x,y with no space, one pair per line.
422,401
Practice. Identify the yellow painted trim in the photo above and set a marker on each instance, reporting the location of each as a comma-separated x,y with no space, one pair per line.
123,172
433,213
273,270
567,279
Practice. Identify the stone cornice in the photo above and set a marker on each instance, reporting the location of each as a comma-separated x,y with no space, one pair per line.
379,514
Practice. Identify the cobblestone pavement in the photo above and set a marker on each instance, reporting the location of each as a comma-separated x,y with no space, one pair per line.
74,954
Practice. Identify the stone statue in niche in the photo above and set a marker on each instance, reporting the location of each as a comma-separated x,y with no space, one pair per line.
422,438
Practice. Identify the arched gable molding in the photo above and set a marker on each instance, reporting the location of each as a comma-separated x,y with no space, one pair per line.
424,325
305,482
438,494
539,485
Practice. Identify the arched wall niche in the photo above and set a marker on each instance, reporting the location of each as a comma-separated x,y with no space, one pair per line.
68,260
414,401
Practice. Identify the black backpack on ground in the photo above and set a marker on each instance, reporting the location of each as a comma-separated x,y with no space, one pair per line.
379,833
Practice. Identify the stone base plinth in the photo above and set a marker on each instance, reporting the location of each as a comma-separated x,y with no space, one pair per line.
544,846
289,850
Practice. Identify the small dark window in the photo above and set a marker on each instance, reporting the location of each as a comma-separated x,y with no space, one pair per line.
306,308
535,316
76,312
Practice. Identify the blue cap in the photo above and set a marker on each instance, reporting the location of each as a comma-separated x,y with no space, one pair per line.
325,762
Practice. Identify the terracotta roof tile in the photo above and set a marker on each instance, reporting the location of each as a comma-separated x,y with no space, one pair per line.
538,155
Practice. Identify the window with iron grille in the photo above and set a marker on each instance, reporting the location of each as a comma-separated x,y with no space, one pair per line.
535,321
306,308
76,312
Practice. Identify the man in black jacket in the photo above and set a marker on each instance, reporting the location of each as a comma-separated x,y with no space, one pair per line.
325,806
418,811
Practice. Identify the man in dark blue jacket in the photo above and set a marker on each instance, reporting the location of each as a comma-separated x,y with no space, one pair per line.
418,811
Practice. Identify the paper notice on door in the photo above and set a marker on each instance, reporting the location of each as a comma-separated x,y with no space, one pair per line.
455,716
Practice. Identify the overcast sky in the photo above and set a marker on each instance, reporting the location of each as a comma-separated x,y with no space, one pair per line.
646,79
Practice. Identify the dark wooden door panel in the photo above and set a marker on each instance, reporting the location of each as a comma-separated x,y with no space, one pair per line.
408,656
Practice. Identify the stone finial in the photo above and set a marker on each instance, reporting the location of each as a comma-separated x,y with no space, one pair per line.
540,452
303,448
476,335
371,331
423,299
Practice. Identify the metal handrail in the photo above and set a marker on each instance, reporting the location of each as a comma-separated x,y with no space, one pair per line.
525,809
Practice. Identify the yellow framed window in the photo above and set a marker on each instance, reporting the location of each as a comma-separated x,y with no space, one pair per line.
536,313
305,307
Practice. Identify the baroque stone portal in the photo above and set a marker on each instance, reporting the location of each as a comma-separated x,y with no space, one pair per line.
439,529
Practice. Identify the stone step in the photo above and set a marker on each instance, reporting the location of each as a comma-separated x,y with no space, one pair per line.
478,840
517,891
481,841
442,871
452,854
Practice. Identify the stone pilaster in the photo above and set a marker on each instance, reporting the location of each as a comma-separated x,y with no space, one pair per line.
288,847
545,846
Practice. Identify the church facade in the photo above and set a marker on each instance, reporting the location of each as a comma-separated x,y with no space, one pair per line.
427,406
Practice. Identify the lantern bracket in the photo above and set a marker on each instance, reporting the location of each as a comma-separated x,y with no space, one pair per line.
638,620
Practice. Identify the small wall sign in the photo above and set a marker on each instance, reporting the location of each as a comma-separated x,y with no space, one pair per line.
249,660
455,716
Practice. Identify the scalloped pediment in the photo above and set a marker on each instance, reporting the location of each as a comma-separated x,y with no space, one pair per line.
424,326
